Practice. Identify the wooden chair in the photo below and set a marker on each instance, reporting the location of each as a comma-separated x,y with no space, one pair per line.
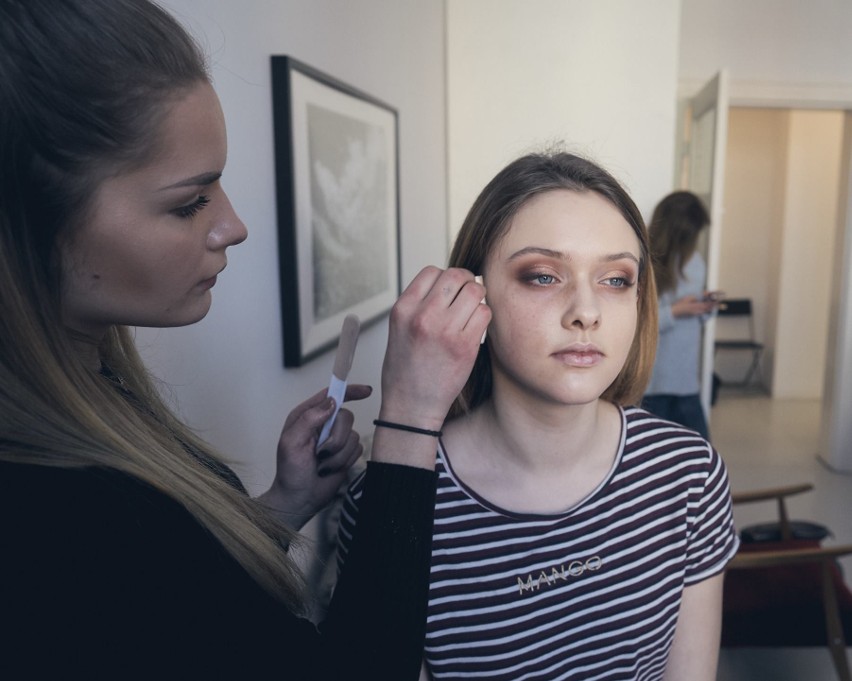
788,592
783,529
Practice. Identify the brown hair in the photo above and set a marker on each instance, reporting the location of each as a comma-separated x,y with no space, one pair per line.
674,228
490,218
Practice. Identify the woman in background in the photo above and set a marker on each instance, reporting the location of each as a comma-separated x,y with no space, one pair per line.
680,273
129,549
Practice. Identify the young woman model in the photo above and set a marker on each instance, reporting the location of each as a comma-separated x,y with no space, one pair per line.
129,550
576,536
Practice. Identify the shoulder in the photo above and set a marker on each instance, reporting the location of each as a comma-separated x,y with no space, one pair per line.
696,261
669,453
94,521
695,267
42,487
643,426
106,529
65,495
648,436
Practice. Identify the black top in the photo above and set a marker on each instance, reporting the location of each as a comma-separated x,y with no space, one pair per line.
101,576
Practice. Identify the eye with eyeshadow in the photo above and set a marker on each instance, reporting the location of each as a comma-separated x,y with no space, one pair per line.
191,210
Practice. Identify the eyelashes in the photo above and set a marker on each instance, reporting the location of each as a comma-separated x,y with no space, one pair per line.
192,209
620,282
544,280
539,278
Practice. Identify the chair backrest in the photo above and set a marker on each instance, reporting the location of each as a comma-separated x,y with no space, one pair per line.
778,495
736,309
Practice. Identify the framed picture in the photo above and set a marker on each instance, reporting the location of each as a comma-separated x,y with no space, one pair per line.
336,168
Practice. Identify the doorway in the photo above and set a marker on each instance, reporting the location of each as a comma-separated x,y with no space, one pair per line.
782,190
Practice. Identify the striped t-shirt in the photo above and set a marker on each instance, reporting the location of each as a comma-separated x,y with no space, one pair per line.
591,593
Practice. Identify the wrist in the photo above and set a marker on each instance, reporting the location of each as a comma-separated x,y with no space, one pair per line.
406,428
404,447
414,417
280,504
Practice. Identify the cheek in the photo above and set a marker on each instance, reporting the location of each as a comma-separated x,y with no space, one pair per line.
122,263
88,261
511,320
125,263
627,322
517,333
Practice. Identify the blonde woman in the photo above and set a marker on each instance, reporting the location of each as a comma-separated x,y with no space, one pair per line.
129,549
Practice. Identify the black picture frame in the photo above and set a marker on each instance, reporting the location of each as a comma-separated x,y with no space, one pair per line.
337,190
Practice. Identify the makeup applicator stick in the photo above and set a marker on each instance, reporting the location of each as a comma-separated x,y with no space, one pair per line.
342,365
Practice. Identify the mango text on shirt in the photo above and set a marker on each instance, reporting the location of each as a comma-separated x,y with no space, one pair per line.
574,569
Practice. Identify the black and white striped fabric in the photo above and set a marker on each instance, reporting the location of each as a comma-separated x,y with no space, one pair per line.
592,593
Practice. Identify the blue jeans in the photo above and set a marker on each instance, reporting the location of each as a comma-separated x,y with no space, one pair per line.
683,409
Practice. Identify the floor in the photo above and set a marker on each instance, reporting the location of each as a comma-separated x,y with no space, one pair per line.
769,443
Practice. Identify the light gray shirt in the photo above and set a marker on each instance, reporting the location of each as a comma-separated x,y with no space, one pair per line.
676,371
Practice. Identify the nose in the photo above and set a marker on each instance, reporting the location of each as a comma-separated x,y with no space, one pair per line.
227,229
582,309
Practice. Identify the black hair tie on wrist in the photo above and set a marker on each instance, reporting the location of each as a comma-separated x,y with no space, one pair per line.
408,429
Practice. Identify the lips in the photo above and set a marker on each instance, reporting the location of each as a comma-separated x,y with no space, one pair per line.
580,355
209,283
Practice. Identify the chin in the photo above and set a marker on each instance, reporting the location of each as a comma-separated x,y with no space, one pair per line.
579,400
566,396
183,317
579,394
200,309
193,319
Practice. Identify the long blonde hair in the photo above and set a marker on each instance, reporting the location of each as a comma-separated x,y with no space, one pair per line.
83,87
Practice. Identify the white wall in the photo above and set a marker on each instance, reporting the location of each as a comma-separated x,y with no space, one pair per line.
599,76
809,228
227,372
787,50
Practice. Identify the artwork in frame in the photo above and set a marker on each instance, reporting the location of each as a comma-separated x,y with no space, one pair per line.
336,160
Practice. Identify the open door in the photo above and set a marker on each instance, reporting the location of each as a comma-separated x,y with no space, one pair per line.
836,431
700,168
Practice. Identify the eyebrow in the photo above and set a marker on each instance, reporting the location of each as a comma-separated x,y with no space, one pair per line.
559,255
197,181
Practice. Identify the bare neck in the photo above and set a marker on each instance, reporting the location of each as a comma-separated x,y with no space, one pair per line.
527,458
